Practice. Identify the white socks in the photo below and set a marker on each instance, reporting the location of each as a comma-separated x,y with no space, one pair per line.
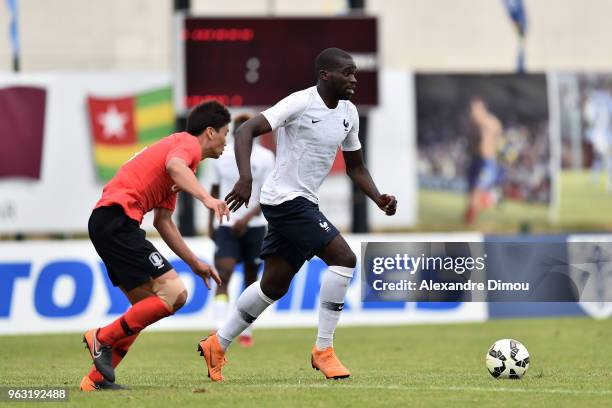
251,303
220,306
334,285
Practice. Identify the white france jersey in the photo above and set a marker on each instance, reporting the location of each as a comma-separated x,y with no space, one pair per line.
224,172
308,135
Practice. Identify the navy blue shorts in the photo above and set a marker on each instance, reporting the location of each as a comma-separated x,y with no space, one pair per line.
130,259
296,231
244,248
482,174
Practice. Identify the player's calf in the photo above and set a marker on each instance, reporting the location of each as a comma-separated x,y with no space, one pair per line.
171,290
334,286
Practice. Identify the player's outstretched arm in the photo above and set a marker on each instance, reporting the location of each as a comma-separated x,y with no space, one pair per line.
243,145
214,191
162,221
359,173
185,180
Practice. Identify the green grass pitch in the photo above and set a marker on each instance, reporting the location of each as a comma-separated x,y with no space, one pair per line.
413,366
443,211
584,205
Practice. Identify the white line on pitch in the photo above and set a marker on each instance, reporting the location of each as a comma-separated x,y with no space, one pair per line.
433,388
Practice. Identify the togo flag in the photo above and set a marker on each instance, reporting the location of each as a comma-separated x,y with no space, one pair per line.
123,126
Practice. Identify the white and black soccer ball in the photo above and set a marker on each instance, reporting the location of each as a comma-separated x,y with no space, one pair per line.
507,358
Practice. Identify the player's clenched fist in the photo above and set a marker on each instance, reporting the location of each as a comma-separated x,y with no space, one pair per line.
387,203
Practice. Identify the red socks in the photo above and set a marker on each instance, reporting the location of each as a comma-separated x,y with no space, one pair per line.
123,332
139,316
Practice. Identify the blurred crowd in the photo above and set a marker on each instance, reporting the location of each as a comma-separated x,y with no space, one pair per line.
523,157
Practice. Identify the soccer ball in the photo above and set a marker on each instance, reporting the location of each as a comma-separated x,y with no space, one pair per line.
507,358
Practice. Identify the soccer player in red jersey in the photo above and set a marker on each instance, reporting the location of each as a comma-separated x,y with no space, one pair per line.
150,181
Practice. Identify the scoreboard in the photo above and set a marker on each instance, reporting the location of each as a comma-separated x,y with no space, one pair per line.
255,62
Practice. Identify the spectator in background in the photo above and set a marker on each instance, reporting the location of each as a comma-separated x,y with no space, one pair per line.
239,239
597,113
486,133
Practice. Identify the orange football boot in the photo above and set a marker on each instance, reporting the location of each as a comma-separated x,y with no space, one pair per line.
328,363
214,356
87,384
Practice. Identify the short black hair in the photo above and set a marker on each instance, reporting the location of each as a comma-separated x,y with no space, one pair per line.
330,58
209,113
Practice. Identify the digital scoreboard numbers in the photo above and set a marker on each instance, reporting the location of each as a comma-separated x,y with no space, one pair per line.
259,61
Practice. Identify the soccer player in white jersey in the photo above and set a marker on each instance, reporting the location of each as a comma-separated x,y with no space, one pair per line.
310,125
239,239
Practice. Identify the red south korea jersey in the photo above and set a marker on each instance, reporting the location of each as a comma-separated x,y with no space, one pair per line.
143,184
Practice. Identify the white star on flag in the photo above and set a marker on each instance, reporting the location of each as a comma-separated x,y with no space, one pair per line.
113,123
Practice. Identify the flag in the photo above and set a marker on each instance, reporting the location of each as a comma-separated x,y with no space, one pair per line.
123,126
22,123
13,31
516,11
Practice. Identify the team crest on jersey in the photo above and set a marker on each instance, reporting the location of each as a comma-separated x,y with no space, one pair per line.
157,260
346,125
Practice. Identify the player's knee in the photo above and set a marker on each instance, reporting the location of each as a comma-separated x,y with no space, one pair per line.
250,274
225,272
180,301
347,272
274,291
173,292
347,259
